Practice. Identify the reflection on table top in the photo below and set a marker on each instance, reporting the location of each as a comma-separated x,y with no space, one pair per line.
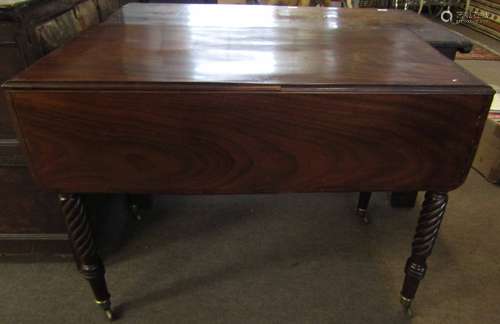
251,45
288,17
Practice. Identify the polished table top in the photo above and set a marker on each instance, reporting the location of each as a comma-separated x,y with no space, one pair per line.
291,17
250,44
247,104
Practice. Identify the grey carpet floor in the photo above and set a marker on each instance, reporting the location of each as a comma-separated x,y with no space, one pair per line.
290,258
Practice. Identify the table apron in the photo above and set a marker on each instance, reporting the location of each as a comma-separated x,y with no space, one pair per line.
232,142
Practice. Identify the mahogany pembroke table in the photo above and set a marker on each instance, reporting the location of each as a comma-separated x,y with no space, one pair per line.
233,100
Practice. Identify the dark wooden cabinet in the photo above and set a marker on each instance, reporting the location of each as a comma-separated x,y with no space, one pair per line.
30,219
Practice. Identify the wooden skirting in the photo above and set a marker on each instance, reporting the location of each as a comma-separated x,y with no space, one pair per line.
56,243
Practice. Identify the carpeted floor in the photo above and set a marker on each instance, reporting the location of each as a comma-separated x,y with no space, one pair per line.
291,258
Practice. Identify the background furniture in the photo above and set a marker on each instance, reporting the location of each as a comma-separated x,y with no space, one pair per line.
30,220
485,17
487,160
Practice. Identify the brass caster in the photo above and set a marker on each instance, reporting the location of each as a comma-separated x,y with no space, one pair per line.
363,214
134,209
406,303
106,307
109,315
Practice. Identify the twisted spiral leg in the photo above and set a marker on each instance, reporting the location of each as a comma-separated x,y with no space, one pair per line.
82,241
431,215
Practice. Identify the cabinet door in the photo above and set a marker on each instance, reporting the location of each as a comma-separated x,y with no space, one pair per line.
26,208
7,33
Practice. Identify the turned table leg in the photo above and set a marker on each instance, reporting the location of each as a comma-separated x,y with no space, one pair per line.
431,215
88,261
362,210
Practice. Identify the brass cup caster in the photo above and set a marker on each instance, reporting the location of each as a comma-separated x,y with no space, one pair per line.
106,307
135,210
109,315
363,214
406,303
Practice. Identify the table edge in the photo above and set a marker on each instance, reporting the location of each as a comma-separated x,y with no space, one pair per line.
14,85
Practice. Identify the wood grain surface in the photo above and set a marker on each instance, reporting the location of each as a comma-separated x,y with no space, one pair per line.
232,142
292,17
111,54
